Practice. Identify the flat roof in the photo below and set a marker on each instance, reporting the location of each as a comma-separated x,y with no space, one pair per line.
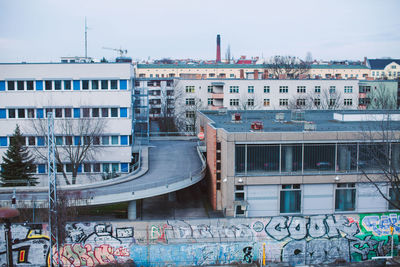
238,66
322,119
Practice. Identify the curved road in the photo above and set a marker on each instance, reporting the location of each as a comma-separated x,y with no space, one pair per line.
172,165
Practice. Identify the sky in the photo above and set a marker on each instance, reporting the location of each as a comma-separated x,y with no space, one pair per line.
45,30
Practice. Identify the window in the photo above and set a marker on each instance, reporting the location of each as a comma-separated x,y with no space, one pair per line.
250,102
106,167
104,84
115,167
58,113
189,89
394,197
11,85
300,102
232,75
48,85
20,85
290,201
114,140
68,167
283,102
283,89
11,113
210,88
211,75
86,112
104,112
95,112
31,140
348,89
29,85
68,140
59,140
317,89
57,85
189,128
266,89
67,113
332,89
41,168
40,141
234,102
85,85
77,113
105,140
345,197
210,101
332,102
39,113
348,102
190,101
190,114
96,140
250,89
21,113
67,85
233,89
96,167
95,85
87,167
114,84
266,102
301,89
114,112
317,102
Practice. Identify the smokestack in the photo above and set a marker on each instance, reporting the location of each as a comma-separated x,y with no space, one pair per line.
218,60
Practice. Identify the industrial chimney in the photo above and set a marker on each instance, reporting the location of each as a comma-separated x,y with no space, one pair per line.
218,60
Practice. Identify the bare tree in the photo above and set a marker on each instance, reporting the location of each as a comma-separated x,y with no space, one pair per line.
77,141
290,66
325,99
166,120
382,97
379,158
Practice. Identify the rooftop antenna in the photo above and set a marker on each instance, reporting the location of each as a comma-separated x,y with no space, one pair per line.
85,38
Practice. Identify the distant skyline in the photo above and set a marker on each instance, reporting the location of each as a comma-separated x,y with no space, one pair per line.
45,30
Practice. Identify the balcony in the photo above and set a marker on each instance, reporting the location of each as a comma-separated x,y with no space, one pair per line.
217,96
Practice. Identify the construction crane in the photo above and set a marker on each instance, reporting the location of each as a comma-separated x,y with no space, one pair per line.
121,51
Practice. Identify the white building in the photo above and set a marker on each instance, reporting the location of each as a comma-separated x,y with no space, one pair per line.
92,91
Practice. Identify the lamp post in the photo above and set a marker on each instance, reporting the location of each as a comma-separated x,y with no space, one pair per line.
6,214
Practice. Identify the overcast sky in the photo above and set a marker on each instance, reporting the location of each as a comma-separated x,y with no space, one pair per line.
45,30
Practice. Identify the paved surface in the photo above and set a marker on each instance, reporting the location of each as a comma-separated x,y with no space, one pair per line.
169,162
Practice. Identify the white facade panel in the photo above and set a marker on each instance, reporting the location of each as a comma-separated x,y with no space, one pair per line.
318,199
262,200
369,199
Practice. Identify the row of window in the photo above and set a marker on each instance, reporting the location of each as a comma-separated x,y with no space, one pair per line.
49,85
285,102
290,198
122,140
382,73
87,168
23,113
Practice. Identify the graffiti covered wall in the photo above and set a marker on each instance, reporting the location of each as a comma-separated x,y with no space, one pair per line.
292,239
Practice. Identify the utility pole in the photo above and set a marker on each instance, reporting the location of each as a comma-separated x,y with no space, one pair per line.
51,164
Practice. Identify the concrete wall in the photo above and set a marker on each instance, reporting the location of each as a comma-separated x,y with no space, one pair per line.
291,239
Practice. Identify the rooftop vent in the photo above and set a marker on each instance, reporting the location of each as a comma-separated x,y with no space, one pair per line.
298,115
310,126
222,111
257,125
280,116
237,117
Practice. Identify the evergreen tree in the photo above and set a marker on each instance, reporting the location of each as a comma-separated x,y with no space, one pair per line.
17,168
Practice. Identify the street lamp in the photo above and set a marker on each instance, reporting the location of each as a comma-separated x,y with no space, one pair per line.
6,214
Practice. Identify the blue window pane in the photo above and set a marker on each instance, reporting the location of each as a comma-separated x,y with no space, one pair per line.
2,85
77,113
3,114
80,168
42,168
3,141
124,167
77,85
123,112
40,141
123,84
39,85
39,113
124,140
77,140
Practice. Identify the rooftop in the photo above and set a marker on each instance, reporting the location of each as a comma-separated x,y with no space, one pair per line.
324,120
380,64
237,66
